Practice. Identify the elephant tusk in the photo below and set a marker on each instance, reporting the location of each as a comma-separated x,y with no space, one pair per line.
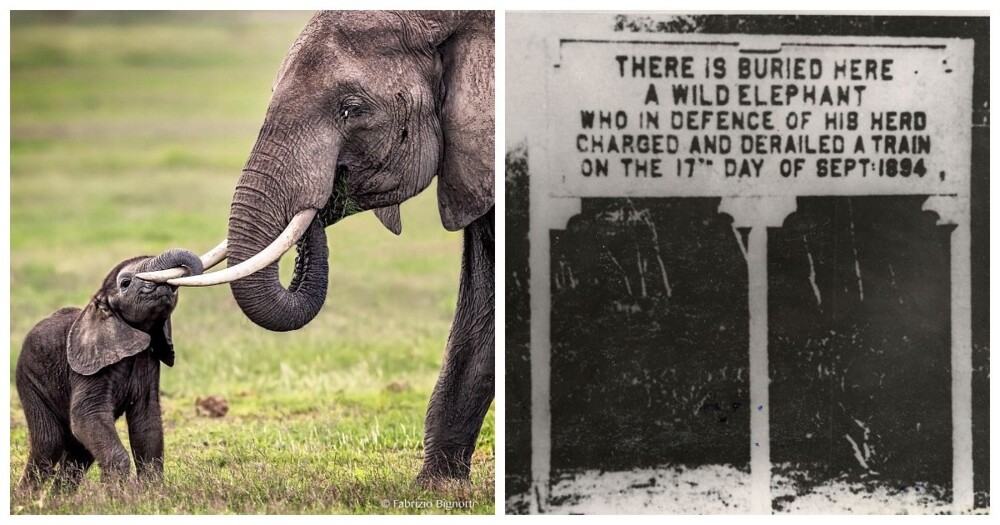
215,255
211,258
296,227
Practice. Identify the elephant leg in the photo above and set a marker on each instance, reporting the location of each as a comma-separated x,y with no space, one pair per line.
46,450
93,424
145,434
99,435
46,442
464,388
73,467
40,467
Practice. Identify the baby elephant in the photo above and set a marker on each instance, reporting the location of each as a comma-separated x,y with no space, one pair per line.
80,370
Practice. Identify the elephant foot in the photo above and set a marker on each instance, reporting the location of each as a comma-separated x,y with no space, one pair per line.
444,467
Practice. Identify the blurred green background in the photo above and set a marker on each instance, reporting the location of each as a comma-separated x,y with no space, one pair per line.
128,133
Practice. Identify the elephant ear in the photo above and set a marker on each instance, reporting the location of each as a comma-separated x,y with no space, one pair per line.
465,181
163,342
99,338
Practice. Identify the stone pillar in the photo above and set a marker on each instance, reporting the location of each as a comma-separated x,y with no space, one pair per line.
549,213
955,210
758,213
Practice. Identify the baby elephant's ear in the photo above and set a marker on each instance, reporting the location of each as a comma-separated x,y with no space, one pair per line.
99,338
163,343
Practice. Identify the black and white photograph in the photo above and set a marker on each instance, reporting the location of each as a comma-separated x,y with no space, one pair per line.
746,263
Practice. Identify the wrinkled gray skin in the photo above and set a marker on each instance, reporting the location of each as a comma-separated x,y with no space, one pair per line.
80,370
367,108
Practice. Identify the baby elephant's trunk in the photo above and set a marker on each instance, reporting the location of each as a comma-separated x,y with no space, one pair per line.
174,258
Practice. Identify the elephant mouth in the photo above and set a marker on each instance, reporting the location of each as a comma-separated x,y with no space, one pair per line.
342,202
160,302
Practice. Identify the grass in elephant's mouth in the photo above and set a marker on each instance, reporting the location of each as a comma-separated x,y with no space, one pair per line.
129,139
341,204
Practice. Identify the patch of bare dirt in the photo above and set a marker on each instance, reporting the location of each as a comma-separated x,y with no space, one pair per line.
211,406
397,386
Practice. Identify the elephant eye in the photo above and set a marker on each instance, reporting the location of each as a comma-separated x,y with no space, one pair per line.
352,108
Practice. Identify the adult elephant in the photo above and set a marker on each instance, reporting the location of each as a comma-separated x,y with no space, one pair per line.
367,108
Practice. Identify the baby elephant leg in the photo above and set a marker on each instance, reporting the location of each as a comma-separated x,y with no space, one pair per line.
73,467
145,435
93,424
46,442
98,435
45,453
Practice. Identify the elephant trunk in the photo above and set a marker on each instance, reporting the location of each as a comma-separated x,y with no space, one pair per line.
174,258
261,210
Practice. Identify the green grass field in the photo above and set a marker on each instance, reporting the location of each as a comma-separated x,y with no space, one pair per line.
128,132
